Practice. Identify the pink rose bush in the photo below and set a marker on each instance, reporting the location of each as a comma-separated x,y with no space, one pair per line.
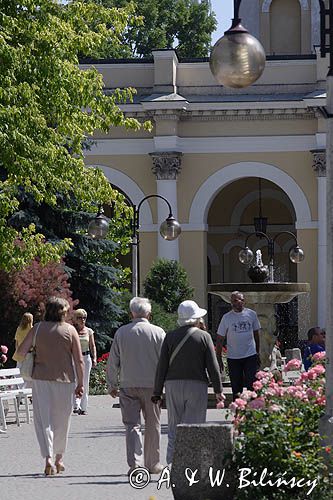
277,428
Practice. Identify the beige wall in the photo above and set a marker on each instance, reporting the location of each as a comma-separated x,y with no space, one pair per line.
213,115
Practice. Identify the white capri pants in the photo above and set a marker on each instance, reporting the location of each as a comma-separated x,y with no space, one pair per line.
52,408
83,402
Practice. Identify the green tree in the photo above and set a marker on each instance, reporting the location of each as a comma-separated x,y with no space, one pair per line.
95,274
186,25
48,106
167,284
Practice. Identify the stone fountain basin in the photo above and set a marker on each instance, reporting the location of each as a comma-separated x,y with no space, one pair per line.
260,293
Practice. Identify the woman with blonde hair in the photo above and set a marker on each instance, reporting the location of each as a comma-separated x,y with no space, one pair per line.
88,348
57,348
22,331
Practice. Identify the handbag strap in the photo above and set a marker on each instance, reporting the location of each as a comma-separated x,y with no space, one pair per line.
181,343
35,335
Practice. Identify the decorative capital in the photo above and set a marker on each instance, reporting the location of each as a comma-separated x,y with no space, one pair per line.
319,162
166,166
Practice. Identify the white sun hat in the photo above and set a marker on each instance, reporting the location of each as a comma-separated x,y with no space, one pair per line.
189,310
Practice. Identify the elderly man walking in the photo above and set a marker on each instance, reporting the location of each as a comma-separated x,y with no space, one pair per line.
187,354
131,367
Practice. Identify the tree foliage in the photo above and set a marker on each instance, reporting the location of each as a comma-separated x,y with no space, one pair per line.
186,25
167,284
48,105
95,274
27,290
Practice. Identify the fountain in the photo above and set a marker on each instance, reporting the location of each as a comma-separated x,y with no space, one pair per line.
261,297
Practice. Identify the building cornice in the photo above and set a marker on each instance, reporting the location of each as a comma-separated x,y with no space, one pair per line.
249,114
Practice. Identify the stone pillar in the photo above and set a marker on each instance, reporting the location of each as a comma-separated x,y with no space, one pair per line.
326,422
166,167
319,166
165,71
202,465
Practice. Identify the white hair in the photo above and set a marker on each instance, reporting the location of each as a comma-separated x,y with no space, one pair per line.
140,307
190,322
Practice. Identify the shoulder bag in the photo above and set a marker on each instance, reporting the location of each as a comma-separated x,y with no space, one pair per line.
28,363
181,343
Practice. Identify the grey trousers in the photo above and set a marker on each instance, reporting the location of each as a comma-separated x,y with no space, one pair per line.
133,401
187,404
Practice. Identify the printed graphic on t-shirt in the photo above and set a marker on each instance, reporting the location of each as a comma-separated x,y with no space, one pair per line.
241,327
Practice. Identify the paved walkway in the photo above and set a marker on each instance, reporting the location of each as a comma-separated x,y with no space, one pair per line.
95,461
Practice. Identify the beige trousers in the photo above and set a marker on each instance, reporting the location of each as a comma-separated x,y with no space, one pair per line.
52,404
133,400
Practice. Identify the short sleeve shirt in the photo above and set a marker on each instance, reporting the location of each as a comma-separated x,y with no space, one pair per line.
238,327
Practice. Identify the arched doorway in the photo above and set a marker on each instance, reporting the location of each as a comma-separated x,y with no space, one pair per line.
230,220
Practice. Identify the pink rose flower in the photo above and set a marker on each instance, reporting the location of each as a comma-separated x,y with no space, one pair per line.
293,364
321,401
311,393
240,403
3,358
4,349
247,395
319,369
220,405
257,385
319,356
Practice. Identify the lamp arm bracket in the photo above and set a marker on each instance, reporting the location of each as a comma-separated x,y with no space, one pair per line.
136,210
286,232
257,233
155,196
236,9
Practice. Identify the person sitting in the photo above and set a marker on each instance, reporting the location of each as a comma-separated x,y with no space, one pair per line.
316,338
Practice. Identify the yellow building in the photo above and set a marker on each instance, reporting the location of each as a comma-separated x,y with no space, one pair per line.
214,152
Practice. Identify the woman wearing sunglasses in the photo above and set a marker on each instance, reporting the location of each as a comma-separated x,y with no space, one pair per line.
88,348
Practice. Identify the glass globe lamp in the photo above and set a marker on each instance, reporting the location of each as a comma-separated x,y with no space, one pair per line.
170,229
237,59
296,255
98,227
245,256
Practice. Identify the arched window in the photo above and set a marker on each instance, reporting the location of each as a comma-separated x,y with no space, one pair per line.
285,27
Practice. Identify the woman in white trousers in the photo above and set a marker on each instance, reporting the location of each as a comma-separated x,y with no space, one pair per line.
57,349
88,348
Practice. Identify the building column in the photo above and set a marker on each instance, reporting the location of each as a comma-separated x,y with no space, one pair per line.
166,167
319,166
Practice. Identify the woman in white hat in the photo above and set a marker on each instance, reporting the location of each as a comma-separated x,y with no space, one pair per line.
186,354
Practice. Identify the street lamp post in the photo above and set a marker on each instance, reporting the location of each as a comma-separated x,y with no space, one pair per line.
238,58
98,227
222,63
326,423
296,254
169,230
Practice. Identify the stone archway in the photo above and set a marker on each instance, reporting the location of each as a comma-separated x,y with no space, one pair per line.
217,181
132,190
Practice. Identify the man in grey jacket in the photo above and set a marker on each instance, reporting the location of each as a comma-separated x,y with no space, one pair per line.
131,367
185,373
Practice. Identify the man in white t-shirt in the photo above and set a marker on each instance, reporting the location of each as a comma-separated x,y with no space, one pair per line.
240,327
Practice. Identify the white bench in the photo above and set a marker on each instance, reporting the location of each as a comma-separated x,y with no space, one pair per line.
11,389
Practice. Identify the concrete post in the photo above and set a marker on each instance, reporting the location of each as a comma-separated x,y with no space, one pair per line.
319,165
326,423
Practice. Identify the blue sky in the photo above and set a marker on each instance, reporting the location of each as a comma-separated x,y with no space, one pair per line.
224,13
